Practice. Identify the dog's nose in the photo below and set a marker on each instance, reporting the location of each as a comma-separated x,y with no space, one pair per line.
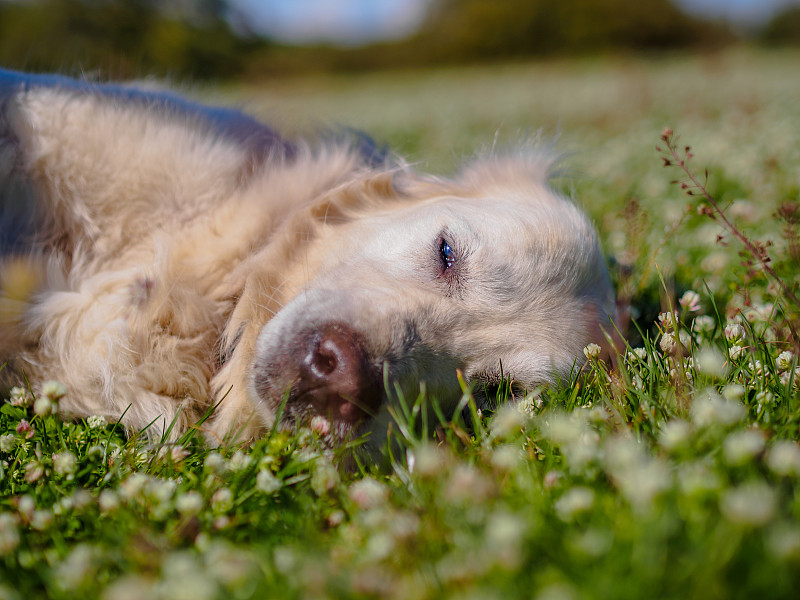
336,375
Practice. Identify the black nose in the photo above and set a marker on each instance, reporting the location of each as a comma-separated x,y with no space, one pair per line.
335,374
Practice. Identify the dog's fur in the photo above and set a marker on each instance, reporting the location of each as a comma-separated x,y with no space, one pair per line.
158,257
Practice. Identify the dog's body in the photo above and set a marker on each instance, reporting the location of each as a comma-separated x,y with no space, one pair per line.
157,255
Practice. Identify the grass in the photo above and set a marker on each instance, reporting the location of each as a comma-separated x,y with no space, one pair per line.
673,476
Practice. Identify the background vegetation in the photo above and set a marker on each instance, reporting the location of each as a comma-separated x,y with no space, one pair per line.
213,39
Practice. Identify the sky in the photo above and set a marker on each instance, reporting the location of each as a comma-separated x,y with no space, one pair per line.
354,22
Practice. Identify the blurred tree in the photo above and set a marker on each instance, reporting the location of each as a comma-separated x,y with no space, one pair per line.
783,28
504,28
122,38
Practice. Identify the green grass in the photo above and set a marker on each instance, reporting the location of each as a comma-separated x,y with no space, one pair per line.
675,476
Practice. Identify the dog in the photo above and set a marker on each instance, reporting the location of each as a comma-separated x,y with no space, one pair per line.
160,258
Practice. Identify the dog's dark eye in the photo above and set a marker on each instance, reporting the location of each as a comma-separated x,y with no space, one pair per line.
446,253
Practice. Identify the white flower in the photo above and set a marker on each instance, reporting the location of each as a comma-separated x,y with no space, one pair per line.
784,541
320,425
9,533
108,501
674,434
132,487
734,333
670,340
368,493
222,500
42,519
784,361
26,506
697,478
96,422
690,301
736,352
710,361
576,500
427,461
733,391
53,390
666,320
639,477
712,409
267,482
784,458
636,354
592,351
741,446
43,406
64,463
507,421
750,504
19,396
467,484
189,503
8,442
240,461
215,463
324,477
703,324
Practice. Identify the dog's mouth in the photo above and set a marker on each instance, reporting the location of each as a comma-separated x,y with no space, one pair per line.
323,378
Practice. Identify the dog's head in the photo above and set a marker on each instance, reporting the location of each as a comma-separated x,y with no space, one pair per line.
406,281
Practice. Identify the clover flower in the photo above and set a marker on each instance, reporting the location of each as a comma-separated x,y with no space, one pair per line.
96,422
636,354
189,503
734,333
750,504
674,434
575,501
222,500
64,463
240,461
267,482
712,409
8,442
742,446
324,477
53,390
108,501
320,425
368,493
784,458
19,396
9,534
666,320
592,351
43,406
736,352
784,361
703,324
690,301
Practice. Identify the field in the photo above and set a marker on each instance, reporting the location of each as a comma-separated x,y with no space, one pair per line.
676,475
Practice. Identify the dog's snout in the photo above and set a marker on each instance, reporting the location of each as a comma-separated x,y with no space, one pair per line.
336,375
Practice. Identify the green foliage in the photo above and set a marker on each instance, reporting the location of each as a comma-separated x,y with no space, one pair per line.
121,38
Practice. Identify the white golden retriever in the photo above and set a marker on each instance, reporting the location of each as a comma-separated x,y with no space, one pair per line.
159,257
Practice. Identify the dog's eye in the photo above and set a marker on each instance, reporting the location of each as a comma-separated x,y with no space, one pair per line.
446,254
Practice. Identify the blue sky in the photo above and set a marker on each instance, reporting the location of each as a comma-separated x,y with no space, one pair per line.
350,22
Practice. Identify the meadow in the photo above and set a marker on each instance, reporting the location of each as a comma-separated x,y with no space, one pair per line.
674,475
